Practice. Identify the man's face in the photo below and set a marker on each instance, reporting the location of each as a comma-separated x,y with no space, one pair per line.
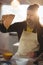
31,15
31,18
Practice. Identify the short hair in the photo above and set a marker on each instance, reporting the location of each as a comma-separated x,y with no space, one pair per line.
33,7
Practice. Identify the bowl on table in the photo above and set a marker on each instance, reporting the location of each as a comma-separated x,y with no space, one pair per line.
7,55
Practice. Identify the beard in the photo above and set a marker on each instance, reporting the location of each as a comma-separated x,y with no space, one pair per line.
30,23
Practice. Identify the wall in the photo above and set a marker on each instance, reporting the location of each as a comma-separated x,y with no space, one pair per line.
31,1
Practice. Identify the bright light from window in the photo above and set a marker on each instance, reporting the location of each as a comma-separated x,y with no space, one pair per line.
41,21
40,13
20,14
7,9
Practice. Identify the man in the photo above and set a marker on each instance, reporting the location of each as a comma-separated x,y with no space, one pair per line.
18,27
28,42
